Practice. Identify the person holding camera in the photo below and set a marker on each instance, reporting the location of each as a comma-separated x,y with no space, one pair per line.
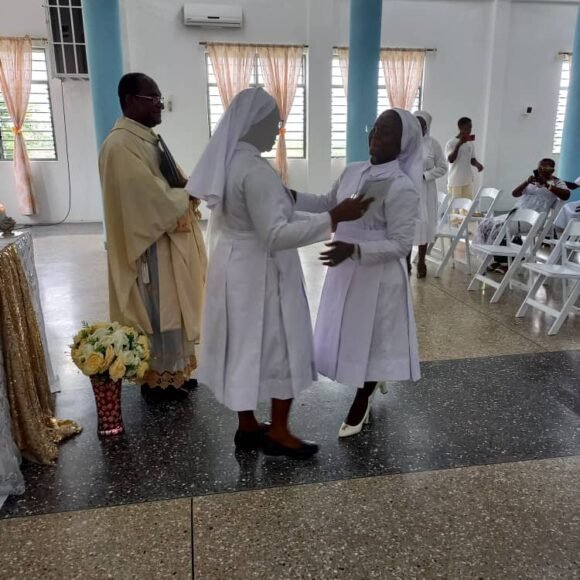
540,192
460,152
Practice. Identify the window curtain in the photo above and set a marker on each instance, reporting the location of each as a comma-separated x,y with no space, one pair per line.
15,81
281,67
403,74
342,54
232,65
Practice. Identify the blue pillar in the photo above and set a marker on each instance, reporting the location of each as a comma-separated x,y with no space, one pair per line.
105,57
570,156
363,67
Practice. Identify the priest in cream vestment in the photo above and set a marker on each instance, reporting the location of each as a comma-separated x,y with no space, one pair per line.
156,254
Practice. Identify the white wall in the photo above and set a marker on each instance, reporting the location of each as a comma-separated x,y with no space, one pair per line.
71,98
464,77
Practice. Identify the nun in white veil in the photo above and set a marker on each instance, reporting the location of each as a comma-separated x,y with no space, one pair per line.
256,340
365,330
434,167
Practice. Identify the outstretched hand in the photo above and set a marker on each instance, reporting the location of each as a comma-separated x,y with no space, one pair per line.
338,253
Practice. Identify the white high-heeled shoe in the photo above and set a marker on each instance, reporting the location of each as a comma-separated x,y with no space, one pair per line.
382,386
347,430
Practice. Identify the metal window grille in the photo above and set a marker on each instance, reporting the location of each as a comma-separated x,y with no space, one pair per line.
67,39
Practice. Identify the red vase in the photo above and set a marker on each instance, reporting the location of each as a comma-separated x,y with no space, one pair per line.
108,399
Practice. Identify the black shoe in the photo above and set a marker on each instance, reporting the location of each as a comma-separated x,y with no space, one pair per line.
251,439
190,384
159,394
305,451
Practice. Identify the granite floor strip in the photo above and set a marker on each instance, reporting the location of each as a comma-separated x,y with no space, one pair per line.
465,412
145,541
510,521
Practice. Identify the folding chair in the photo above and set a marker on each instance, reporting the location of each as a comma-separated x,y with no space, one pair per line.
546,236
487,198
451,227
567,271
482,206
443,201
515,253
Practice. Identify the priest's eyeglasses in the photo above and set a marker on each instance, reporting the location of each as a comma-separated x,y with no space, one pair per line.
155,100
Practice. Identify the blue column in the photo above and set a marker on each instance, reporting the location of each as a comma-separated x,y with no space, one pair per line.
105,56
363,66
570,156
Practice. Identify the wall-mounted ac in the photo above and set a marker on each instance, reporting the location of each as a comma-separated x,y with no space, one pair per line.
213,15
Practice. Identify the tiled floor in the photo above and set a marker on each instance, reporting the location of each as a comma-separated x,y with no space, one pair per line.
471,472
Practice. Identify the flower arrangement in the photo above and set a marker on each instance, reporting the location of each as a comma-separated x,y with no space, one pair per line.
111,351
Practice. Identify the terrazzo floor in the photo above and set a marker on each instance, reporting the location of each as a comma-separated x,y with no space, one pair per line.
470,473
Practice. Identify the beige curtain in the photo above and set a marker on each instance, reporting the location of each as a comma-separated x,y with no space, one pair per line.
232,65
403,74
281,67
342,54
15,80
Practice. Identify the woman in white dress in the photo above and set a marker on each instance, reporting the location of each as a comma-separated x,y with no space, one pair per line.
434,167
257,335
365,330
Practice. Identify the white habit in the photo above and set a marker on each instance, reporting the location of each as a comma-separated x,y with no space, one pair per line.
257,335
434,167
365,329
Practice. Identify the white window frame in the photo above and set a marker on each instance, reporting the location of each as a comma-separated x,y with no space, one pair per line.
41,80
295,124
339,106
562,101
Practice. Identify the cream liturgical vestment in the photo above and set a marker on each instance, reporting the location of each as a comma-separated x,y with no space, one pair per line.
155,250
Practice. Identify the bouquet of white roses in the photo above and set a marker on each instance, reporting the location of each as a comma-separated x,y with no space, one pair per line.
108,348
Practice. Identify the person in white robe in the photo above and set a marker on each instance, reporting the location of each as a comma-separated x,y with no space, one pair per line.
365,330
257,340
434,167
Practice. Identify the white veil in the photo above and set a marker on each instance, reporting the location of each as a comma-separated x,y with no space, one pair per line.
208,180
411,156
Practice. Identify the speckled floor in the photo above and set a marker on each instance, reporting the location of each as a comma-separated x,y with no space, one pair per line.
470,473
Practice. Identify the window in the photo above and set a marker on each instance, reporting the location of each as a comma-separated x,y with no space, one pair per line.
338,106
295,124
38,127
561,111
67,38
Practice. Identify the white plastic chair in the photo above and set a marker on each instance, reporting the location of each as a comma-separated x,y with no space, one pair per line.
482,206
566,271
451,227
515,253
487,198
443,201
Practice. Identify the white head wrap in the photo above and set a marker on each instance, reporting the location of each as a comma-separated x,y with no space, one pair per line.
427,118
208,179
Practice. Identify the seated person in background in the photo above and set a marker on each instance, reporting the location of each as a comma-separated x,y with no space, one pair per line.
540,192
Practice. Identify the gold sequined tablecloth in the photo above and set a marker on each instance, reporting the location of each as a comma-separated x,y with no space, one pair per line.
35,430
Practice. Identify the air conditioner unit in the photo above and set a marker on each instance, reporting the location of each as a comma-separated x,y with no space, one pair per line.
213,15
